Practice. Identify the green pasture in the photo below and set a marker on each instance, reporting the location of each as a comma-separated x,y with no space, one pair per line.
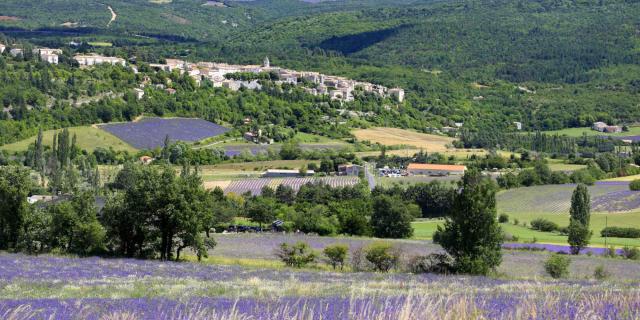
424,229
88,138
578,132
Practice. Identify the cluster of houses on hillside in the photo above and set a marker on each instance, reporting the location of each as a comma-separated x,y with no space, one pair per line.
337,88
603,127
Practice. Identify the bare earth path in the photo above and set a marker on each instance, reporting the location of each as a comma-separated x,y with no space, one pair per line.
113,16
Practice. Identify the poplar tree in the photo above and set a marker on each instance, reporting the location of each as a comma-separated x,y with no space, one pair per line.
579,233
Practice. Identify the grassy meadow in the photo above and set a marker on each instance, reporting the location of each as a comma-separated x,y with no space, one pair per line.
88,138
578,132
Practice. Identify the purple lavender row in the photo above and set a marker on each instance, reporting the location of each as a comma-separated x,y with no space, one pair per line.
550,305
149,133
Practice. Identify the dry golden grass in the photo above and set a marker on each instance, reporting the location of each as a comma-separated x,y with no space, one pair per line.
213,184
394,136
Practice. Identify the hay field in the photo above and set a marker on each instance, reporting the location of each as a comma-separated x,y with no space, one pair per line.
394,136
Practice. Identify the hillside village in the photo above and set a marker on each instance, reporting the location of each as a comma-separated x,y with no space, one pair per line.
315,83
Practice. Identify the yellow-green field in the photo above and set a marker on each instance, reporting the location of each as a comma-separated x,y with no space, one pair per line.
578,132
627,178
394,137
88,138
424,229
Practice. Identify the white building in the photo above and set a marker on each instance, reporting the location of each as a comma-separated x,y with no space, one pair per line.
397,93
94,59
139,93
2,48
15,52
518,125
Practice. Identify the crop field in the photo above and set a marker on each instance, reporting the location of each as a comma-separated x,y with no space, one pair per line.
50,287
424,229
394,136
627,178
88,138
606,196
388,182
150,133
578,132
459,154
255,185
232,150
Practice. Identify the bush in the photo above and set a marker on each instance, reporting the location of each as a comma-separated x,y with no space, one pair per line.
557,266
631,253
600,273
544,225
297,255
516,222
433,263
610,252
383,256
619,232
635,185
336,255
504,218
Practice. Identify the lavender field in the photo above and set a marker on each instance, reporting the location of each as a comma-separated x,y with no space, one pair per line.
255,185
47,287
149,133
606,196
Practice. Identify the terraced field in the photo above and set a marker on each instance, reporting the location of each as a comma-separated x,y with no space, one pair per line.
606,196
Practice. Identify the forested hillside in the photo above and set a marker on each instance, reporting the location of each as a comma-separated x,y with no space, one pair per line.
547,64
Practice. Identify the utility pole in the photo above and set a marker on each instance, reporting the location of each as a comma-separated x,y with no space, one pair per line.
605,234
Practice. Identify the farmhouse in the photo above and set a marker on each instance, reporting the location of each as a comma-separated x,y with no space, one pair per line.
48,55
349,169
599,126
612,129
421,169
278,173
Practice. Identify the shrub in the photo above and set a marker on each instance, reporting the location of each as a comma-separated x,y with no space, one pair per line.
382,255
516,222
504,218
544,225
433,263
358,261
336,255
619,232
631,253
557,266
610,252
600,273
297,255
635,185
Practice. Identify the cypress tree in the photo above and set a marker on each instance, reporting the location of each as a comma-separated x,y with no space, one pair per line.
471,234
579,233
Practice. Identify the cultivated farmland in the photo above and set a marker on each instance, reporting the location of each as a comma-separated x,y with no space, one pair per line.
394,136
255,185
149,133
606,196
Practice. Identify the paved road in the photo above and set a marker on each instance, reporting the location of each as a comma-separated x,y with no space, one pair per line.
370,178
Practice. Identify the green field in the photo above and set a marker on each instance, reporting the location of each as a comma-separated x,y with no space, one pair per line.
424,229
578,132
88,138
